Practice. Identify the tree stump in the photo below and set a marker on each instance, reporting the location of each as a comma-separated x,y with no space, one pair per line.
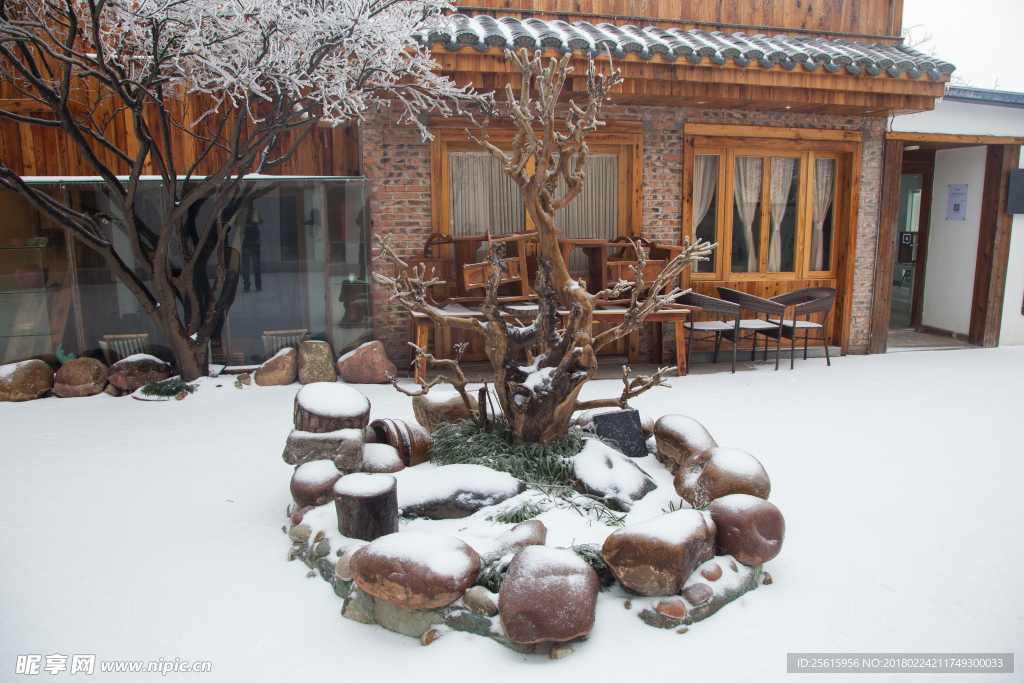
327,407
367,505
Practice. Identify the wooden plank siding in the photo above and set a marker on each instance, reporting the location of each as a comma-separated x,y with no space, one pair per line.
872,19
36,151
993,247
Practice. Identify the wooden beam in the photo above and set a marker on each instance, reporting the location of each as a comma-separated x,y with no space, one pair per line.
885,251
954,139
993,247
713,130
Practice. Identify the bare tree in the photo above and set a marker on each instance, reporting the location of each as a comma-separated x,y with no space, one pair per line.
239,84
539,399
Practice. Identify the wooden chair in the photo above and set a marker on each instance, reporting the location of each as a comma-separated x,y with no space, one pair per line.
713,329
437,266
658,257
806,302
751,328
117,347
475,276
274,341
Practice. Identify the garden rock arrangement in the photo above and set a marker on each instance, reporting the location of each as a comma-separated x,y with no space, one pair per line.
388,551
316,362
278,370
135,372
368,364
25,381
80,377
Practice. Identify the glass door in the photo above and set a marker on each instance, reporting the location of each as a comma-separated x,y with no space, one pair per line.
904,269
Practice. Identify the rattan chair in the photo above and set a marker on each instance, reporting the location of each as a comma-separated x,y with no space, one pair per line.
116,347
751,328
806,302
712,329
275,340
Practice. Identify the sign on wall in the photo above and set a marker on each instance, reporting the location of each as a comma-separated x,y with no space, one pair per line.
956,204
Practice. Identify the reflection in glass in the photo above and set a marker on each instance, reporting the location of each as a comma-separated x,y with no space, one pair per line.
821,232
747,216
37,316
350,291
782,239
705,204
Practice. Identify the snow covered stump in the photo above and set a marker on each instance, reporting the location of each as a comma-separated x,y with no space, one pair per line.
329,406
367,505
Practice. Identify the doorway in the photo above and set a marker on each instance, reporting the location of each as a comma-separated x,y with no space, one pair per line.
904,272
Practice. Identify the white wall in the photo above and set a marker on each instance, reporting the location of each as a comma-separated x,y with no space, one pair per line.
953,245
1012,331
963,118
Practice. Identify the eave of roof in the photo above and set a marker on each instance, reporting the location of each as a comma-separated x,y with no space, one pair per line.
998,98
856,58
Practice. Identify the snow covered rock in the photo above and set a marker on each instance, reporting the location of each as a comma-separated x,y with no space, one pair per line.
657,556
80,377
548,594
585,420
344,447
719,472
410,440
25,381
453,491
278,370
316,362
479,600
530,532
440,407
329,406
313,483
367,364
680,437
748,528
414,569
380,458
133,372
604,472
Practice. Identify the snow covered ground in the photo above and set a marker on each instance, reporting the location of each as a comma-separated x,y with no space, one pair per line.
135,531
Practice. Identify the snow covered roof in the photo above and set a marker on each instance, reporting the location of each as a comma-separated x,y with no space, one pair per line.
857,58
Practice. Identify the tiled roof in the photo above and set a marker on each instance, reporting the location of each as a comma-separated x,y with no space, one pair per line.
484,32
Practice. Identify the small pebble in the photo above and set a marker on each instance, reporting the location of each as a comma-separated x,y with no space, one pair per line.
712,573
682,630
322,548
698,593
319,536
299,533
430,636
291,554
673,609
732,566
310,574
628,604
561,650
341,570
766,579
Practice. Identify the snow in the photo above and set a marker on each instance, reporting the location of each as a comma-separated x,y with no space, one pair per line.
737,462
605,469
538,382
286,350
353,351
315,473
426,483
378,455
362,484
167,539
135,357
11,368
339,435
443,555
332,399
673,528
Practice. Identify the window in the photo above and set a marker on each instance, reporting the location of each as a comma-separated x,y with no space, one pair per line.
771,216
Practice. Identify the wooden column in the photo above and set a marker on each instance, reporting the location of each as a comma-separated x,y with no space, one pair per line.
993,247
885,252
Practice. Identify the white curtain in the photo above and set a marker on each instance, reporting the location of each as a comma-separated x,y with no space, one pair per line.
594,213
748,195
782,180
824,187
705,180
482,197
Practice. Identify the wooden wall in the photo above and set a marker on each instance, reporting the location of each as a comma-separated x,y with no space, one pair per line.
36,151
855,18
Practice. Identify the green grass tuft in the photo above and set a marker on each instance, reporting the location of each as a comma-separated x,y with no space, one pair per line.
591,554
519,513
168,387
534,463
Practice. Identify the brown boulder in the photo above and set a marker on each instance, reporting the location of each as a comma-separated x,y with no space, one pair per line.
657,556
748,528
344,447
414,569
80,377
133,372
680,437
25,381
442,407
278,370
530,532
719,472
313,483
548,594
316,362
368,364
380,458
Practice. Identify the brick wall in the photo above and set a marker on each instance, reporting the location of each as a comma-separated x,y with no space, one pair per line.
397,162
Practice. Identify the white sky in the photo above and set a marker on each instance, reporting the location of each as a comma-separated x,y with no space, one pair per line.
981,37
